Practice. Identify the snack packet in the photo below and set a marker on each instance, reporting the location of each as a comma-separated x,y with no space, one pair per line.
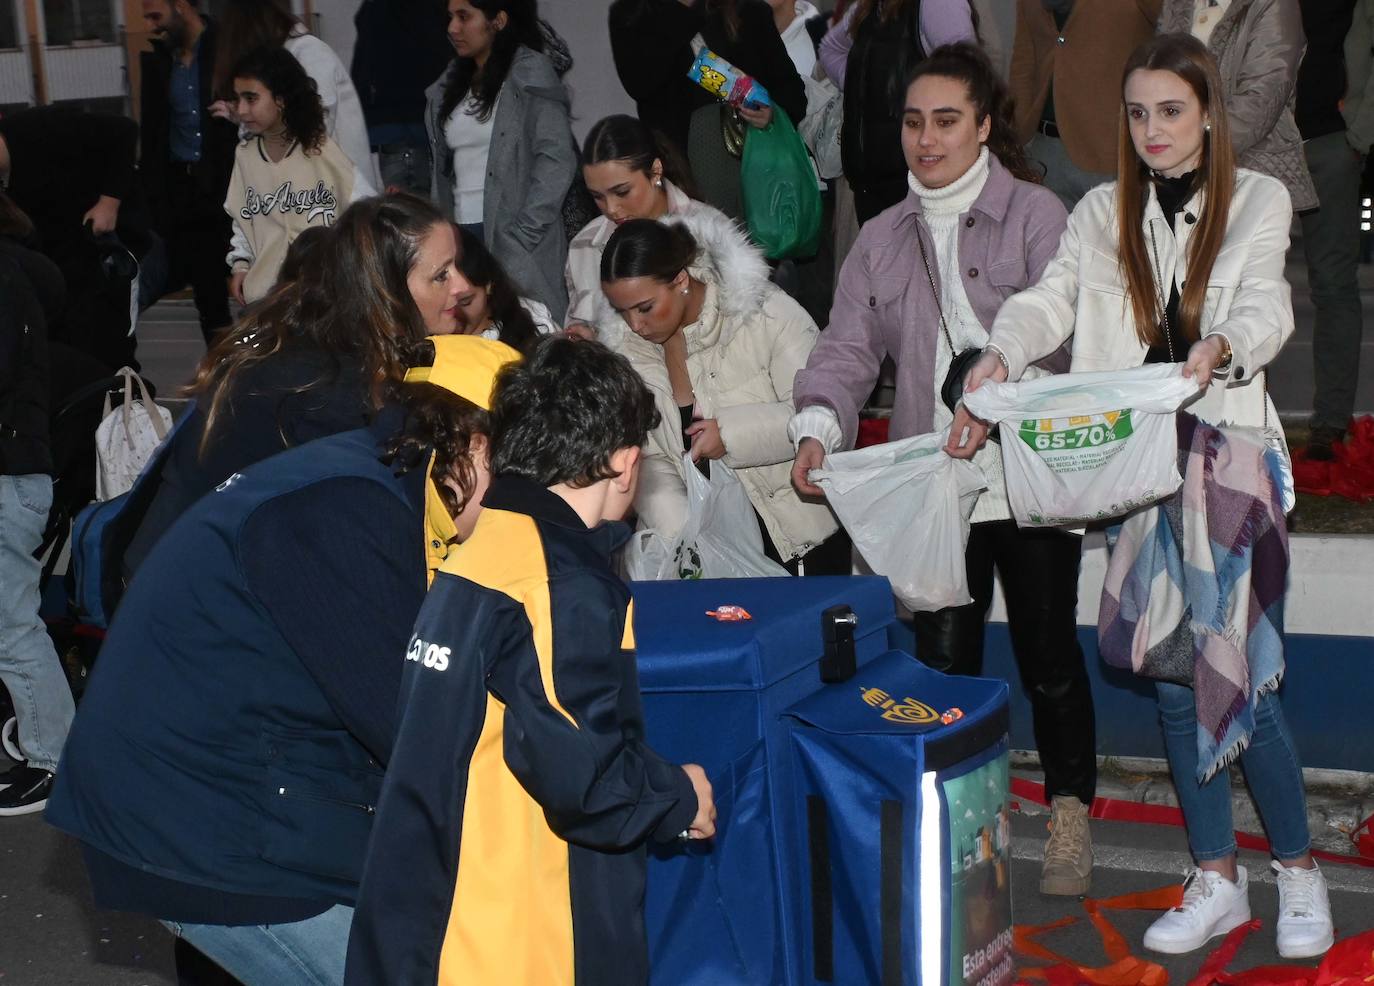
727,83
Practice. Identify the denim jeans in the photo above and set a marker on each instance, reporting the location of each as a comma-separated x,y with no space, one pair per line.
1331,243
303,953
29,667
1272,772
405,166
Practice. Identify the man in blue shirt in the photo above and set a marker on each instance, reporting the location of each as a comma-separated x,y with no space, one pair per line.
188,155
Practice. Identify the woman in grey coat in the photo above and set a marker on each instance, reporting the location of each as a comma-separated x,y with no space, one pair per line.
504,156
1257,45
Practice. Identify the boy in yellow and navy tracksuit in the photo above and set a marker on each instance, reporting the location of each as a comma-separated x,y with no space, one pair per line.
509,843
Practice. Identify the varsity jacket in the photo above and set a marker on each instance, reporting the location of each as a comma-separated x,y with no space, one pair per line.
509,841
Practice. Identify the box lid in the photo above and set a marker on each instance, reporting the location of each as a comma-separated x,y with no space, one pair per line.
682,649
895,694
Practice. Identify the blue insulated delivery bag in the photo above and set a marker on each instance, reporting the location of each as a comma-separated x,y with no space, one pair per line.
715,694
901,796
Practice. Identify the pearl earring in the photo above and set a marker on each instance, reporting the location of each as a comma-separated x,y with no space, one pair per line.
684,290
658,182
1207,127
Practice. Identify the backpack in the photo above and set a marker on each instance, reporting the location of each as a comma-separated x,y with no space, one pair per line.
101,533
127,437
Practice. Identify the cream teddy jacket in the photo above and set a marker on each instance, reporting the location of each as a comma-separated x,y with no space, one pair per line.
742,355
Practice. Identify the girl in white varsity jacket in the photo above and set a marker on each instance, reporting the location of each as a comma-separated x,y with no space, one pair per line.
288,175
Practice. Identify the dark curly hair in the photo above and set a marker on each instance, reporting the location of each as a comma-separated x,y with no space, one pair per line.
967,63
439,421
282,76
522,28
477,264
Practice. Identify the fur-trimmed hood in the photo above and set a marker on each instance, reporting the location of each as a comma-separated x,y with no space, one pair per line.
726,260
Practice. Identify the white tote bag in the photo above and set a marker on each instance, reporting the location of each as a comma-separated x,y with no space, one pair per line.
719,540
906,506
1083,447
126,437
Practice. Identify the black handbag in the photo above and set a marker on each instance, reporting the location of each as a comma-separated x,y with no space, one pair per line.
952,389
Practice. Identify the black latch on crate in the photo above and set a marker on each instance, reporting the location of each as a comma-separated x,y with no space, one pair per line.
837,634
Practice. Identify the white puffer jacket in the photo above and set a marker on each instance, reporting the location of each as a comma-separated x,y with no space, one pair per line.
742,355
1082,294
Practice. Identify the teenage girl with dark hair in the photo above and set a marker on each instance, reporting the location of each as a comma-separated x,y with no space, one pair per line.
288,173
1181,260
246,26
488,303
632,173
320,355
922,285
504,156
718,345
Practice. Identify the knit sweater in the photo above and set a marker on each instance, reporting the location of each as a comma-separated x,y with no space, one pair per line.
273,202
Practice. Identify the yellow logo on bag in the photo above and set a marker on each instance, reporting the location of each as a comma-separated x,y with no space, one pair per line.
908,710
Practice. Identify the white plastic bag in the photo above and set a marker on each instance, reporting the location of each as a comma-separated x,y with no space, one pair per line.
906,506
719,540
1087,446
126,438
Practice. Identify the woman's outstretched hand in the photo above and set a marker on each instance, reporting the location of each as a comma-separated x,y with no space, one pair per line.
1204,356
810,455
967,434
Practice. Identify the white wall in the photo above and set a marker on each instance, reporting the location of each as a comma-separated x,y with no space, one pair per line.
596,92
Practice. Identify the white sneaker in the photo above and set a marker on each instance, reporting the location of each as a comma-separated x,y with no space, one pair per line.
1212,905
1304,929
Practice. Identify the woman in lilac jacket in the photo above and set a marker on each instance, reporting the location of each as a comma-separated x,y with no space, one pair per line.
923,282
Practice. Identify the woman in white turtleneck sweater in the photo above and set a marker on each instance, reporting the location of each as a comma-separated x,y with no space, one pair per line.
924,282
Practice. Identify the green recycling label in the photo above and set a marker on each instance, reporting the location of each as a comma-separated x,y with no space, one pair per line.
1080,443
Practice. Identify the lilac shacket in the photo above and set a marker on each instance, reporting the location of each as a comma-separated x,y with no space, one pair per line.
883,305
942,22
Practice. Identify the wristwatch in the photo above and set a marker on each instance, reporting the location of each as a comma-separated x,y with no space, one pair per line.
1224,364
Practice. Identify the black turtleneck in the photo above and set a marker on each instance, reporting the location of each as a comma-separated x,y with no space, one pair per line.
1173,194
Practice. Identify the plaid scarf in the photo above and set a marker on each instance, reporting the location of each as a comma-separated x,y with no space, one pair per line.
1195,585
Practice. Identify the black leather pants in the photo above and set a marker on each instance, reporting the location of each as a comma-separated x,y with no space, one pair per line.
1039,570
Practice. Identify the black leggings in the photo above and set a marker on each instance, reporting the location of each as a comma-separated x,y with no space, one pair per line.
1039,569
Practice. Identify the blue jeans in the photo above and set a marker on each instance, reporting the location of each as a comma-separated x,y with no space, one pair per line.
29,667
304,953
1272,772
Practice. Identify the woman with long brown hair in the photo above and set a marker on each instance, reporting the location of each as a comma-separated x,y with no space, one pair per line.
922,285
1181,260
318,356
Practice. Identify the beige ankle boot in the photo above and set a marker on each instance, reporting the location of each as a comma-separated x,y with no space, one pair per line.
1068,867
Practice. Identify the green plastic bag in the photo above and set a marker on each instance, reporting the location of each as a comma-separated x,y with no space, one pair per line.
782,204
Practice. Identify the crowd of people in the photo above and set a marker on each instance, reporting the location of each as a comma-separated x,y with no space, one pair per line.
373,661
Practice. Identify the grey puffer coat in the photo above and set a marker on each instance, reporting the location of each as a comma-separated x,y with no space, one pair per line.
1258,45
530,167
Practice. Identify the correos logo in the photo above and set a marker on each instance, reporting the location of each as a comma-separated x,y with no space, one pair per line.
429,655
908,710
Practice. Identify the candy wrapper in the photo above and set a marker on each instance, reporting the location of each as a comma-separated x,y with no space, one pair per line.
727,83
729,614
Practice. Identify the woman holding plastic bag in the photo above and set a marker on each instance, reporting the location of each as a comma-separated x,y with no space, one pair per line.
922,284
719,346
1181,217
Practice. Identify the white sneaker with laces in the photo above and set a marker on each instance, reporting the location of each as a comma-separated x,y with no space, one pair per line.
1304,928
1212,905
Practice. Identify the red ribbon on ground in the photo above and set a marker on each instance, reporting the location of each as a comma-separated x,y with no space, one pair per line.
1350,474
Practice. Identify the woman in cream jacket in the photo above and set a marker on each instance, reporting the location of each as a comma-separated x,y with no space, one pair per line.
1181,261
719,346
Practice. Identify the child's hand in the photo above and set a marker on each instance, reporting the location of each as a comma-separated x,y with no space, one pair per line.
236,280
704,825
